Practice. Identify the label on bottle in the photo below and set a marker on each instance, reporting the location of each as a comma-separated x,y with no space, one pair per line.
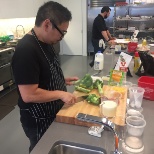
96,64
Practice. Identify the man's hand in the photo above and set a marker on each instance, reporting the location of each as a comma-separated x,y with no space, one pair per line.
68,98
69,80
112,38
112,42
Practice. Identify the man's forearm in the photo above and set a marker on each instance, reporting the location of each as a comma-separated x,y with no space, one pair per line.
105,35
109,35
109,39
32,94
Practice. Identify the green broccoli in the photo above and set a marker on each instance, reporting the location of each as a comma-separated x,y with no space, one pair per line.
86,82
78,88
98,84
94,99
76,82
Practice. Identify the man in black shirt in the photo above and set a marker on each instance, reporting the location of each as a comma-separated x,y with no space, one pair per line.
40,81
100,32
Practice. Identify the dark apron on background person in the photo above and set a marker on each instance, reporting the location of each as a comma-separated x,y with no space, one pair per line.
39,116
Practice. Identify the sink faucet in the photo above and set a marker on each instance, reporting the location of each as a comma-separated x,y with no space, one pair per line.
101,121
23,30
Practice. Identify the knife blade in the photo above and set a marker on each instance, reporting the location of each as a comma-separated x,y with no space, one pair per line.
81,98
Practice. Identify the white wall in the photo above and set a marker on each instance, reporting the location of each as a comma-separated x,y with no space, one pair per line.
75,42
72,42
84,24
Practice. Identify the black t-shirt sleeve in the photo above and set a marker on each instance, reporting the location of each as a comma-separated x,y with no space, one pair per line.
25,65
101,25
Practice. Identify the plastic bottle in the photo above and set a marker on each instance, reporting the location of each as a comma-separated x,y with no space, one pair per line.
99,61
144,42
136,62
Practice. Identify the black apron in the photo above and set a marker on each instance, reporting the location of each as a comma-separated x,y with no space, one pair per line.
43,114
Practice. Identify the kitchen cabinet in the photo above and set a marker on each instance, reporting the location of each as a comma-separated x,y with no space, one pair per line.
6,76
129,17
19,8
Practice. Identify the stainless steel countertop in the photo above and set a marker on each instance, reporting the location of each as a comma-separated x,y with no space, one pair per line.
60,131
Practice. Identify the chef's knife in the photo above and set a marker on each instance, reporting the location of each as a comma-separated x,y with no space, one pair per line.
81,98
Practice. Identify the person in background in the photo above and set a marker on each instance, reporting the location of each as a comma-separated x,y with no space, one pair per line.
100,32
40,81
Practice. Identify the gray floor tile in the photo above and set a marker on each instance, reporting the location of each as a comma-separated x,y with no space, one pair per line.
12,137
4,110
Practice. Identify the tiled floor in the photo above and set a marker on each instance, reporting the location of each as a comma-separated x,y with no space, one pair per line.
12,137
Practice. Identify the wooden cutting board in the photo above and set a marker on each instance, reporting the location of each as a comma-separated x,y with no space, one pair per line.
68,113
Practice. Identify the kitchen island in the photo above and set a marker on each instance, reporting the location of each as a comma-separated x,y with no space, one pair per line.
79,134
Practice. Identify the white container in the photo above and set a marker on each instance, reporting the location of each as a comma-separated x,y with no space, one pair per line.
108,108
99,61
133,141
136,97
135,125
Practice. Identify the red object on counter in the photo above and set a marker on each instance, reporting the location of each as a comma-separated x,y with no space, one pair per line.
147,83
152,52
136,54
132,46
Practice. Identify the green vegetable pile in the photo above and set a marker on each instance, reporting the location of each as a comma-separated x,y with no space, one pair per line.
98,84
86,84
93,99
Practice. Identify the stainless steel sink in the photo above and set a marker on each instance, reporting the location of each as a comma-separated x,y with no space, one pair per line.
65,147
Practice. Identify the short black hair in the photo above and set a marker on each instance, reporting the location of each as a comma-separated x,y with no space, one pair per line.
105,9
53,11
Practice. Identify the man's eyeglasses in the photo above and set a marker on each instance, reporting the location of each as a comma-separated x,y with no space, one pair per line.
61,32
